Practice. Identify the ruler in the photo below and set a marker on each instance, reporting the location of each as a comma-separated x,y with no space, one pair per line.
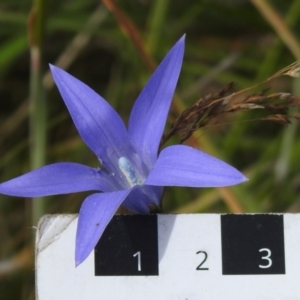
186,257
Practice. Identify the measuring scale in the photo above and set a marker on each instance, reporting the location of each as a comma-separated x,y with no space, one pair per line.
186,257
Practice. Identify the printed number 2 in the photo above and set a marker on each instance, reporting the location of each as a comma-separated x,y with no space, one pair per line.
267,257
203,261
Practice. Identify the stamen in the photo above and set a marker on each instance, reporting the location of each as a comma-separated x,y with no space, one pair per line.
128,172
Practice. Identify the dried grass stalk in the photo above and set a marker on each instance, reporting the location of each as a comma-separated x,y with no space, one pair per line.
218,103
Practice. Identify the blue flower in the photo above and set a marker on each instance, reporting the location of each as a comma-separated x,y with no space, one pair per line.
133,174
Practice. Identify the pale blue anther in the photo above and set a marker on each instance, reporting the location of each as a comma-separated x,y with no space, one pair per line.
128,172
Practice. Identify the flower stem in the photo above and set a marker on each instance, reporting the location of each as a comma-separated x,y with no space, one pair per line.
37,108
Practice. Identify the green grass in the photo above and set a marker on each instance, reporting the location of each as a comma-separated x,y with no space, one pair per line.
112,65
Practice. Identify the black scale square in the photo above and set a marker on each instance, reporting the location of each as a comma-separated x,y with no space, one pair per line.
252,244
128,247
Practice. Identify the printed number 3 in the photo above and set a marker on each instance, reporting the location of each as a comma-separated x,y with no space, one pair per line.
267,257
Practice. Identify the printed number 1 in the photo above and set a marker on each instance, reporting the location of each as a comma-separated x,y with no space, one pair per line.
267,257
138,254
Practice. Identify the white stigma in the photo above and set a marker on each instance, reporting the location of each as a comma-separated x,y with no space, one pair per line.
128,172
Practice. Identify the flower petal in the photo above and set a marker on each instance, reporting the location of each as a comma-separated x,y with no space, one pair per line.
143,199
98,123
95,213
150,111
60,178
185,166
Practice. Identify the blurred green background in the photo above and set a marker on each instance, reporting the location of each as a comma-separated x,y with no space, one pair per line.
113,47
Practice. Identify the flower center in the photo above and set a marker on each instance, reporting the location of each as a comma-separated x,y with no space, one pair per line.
128,172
